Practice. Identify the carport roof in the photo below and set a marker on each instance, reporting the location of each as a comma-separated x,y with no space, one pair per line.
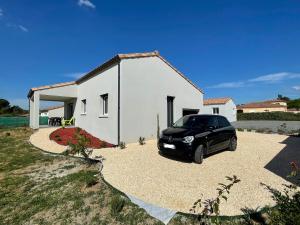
49,86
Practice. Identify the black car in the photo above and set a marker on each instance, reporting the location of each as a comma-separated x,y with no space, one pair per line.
198,135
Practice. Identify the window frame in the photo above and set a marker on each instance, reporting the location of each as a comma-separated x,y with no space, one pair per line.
83,106
218,110
104,105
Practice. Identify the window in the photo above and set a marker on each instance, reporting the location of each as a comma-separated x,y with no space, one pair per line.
170,112
216,110
83,106
223,122
104,104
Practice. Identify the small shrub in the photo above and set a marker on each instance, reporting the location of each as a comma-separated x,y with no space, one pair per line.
122,145
7,134
80,146
209,207
142,141
116,205
103,144
249,130
56,136
58,139
240,129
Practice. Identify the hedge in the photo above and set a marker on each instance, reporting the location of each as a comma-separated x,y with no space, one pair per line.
283,116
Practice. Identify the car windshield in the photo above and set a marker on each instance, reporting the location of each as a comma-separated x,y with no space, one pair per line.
195,122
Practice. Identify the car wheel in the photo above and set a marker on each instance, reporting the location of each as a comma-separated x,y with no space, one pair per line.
198,156
233,144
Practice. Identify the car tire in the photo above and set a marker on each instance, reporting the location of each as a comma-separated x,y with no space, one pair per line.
198,155
233,144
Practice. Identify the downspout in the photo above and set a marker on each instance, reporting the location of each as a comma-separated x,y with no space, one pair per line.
119,72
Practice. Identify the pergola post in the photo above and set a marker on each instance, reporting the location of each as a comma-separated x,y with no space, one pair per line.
34,111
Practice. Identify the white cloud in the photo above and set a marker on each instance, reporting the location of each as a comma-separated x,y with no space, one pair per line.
297,88
74,75
1,12
275,77
86,3
17,27
23,28
229,85
269,78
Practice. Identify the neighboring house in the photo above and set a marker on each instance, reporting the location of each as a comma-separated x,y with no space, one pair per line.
55,111
127,97
220,106
264,106
293,110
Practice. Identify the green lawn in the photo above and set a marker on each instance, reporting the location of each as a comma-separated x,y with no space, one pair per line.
38,188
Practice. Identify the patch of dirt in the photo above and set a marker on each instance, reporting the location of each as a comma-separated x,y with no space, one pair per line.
58,168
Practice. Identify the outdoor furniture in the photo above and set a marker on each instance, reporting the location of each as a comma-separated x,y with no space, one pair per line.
54,121
67,122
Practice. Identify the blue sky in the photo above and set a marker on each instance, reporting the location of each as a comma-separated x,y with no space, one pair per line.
248,50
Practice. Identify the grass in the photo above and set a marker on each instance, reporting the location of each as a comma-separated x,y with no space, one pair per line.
38,188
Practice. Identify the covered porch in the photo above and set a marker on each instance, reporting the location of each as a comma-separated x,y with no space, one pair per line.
62,92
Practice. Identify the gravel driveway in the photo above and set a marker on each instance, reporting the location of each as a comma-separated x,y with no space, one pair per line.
140,171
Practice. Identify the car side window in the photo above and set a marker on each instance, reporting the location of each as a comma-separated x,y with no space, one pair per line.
223,122
212,122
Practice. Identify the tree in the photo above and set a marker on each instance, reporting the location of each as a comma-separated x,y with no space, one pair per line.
294,104
4,104
281,97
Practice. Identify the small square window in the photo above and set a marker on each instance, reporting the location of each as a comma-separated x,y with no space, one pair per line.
104,104
83,106
216,110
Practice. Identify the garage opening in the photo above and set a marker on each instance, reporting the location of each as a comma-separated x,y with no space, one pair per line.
189,111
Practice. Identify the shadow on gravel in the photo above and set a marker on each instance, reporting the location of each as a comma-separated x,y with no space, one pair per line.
280,164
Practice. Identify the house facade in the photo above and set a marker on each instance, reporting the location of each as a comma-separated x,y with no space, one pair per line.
264,106
55,111
127,97
220,106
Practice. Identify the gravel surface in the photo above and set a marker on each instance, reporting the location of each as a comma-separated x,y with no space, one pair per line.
142,172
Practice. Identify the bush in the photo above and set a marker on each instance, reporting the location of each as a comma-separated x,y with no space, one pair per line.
122,145
117,204
283,116
142,141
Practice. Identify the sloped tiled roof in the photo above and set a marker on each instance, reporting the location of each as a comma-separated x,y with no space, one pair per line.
111,62
260,105
119,57
216,101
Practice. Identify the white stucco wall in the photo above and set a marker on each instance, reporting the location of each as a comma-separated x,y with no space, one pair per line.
104,127
228,110
59,112
145,85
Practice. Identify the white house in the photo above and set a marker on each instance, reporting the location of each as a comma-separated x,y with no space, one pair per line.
127,97
221,106
55,111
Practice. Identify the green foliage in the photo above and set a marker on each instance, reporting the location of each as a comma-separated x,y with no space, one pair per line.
122,145
281,97
283,116
117,204
294,104
207,207
142,141
5,108
80,147
4,104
